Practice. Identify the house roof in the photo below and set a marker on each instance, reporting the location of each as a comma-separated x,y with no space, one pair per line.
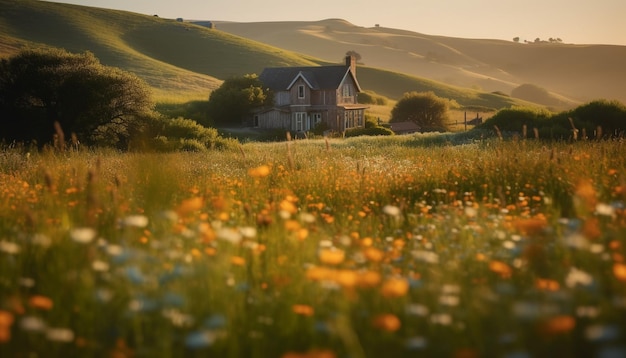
317,77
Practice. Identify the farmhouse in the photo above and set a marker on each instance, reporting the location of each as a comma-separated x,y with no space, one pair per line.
305,97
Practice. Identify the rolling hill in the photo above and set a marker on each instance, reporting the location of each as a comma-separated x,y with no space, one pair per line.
572,73
187,60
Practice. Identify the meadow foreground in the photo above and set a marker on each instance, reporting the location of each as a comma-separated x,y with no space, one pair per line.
351,248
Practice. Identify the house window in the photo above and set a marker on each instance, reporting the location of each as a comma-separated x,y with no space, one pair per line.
301,91
347,90
299,121
317,118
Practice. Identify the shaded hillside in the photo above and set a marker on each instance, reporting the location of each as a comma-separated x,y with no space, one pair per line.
576,72
173,57
181,59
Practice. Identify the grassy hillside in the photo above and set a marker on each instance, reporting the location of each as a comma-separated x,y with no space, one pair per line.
175,58
183,61
573,73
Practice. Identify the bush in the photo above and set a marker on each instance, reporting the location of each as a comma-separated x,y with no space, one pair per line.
372,98
609,115
165,135
371,131
514,119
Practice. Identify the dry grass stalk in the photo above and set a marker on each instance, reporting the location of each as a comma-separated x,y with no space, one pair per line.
574,129
498,132
59,136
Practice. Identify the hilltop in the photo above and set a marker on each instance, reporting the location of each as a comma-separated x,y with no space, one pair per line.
185,60
575,73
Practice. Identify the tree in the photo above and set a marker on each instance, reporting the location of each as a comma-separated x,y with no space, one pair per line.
41,87
235,98
423,108
516,39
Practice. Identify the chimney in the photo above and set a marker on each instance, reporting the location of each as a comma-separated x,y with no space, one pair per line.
351,61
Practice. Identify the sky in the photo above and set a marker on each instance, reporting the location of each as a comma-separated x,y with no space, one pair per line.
573,21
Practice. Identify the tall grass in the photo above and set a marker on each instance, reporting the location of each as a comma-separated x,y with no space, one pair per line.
337,248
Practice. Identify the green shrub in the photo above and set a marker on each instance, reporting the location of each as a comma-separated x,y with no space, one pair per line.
369,97
371,131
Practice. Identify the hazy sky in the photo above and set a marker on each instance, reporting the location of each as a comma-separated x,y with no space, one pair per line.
574,21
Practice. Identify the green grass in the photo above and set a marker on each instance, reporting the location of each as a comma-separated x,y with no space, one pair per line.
404,246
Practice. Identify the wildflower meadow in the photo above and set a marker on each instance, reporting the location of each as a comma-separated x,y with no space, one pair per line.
378,247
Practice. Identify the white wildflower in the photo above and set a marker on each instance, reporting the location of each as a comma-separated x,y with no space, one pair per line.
231,235
391,210
248,232
578,277
443,319
426,256
64,335
449,300
100,266
83,235
32,324
605,210
138,221
9,247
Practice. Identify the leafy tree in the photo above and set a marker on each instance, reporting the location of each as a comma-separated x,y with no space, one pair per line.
423,108
516,39
41,87
235,98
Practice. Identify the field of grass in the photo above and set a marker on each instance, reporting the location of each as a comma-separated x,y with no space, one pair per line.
365,247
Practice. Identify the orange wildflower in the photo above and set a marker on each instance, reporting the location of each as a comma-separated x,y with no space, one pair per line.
292,225
346,278
558,325
591,228
500,268
547,284
619,271
395,287
332,256
303,310
369,279
6,321
260,171
237,261
586,192
373,254
531,226
319,273
387,322
189,206
40,302
288,206
302,234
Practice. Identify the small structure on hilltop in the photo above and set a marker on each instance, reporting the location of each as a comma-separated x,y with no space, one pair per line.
305,97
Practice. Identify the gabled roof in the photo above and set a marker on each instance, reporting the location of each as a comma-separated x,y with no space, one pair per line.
317,77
